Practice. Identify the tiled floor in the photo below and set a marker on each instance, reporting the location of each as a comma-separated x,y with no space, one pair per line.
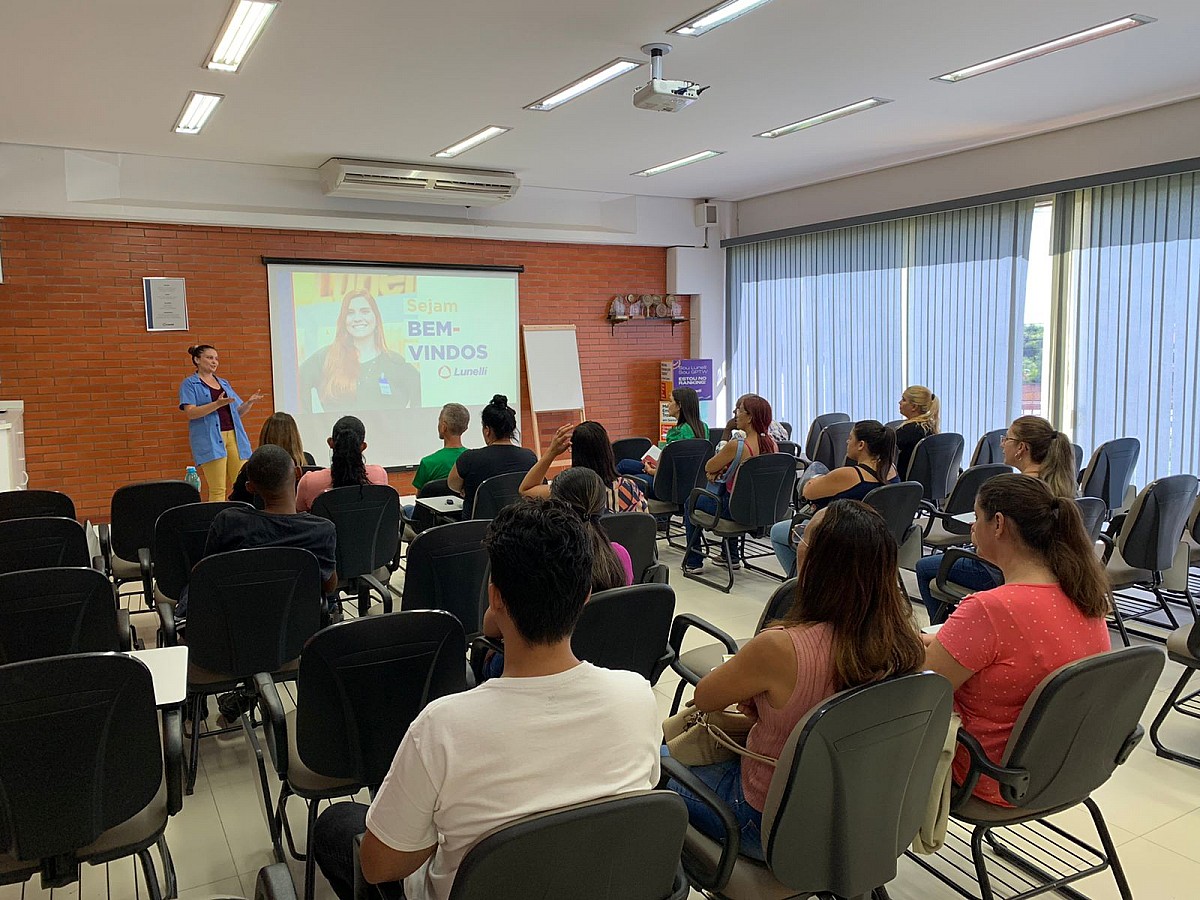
219,840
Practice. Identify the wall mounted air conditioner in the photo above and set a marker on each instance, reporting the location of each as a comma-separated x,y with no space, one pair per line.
407,183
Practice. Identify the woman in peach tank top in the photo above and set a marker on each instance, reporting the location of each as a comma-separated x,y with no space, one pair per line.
849,625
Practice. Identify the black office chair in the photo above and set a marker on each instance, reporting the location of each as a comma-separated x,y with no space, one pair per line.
1109,473
58,612
495,493
125,541
760,498
422,516
1148,552
447,570
627,628
180,536
787,427
249,612
42,543
850,788
898,504
830,449
83,774
680,468
989,450
818,425
367,519
637,532
1093,511
35,504
895,423
935,463
1074,730
942,530
692,665
631,448
789,447
360,685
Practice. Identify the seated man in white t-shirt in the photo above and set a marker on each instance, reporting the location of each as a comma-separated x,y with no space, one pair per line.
553,731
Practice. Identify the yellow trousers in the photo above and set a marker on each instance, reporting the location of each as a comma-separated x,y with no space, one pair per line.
220,474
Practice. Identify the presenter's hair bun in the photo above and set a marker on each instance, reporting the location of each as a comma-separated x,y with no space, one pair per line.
500,400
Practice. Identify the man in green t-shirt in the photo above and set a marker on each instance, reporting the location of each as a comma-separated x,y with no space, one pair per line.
452,424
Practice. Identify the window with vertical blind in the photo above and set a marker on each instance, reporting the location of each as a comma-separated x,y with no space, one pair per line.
1130,303
843,320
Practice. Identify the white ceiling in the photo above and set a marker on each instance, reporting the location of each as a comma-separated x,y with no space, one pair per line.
390,79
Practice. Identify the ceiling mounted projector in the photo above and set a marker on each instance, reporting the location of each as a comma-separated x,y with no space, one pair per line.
660,94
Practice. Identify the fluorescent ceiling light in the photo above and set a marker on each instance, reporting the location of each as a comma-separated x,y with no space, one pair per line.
860,106
243,25
675,164
717,15
473,141
196,112
604,74
1062,43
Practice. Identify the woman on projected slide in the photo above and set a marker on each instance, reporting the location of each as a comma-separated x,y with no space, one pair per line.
358,371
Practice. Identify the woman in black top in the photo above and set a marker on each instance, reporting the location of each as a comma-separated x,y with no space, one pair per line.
501,455
922,412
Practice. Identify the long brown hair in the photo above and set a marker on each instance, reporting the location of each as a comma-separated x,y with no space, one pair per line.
1051,527
582,490
1051,450
280,429
339,378
850,580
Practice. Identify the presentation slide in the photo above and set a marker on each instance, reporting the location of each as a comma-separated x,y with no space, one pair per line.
391,346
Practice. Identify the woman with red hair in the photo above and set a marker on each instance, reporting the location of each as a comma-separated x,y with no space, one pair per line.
753,417
357,370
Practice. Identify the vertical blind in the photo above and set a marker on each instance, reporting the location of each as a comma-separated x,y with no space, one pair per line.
842,320
1131,258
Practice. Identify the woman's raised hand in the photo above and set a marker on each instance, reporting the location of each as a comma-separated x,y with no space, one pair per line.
562,440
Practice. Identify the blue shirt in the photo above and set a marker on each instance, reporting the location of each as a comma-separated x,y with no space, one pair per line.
204,433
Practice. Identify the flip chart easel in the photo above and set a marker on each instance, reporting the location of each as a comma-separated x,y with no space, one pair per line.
552,371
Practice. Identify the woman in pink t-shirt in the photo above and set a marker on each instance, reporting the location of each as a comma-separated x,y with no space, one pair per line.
999,644
347,466
849,625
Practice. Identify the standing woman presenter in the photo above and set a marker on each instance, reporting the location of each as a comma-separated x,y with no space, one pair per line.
214,412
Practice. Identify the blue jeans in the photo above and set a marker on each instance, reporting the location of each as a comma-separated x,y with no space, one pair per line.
637,471
968,572
725,779
695,558
784,552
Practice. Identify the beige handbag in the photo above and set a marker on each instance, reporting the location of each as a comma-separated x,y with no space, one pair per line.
698,738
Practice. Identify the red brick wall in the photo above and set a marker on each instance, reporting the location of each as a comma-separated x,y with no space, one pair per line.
101,392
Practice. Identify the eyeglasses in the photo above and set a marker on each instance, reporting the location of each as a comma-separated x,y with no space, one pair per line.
1009,439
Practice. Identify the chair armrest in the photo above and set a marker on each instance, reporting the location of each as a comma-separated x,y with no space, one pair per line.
1017,779
275,883
949,558
1109,546
684,621
172,720
1115,524
147,566
731,846
124,631
105,533
166,625
477,653
656,574
689,508
274,722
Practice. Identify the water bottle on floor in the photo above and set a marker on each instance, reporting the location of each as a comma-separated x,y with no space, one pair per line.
192,477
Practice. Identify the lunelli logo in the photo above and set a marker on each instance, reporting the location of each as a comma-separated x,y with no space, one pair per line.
444,372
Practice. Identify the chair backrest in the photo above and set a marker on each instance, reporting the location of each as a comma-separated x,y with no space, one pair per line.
1093,511
814,431
495,493
778,603
962,495
681,468
363,681
42,543
626,628
763,489
852,784
136,508
56,612
791,448
180,535
637,532
35,504
446,569
1110,471
1154,526
367,520
618,848
251,611
989,449
935,463
898,504
630,448
1079,725
79,751
786,426
896,423
716,433
831,444
1078,459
